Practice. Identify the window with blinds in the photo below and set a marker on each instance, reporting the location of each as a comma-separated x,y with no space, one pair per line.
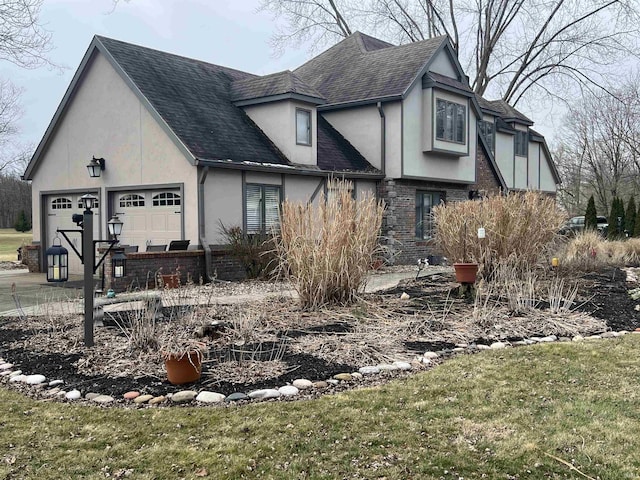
425,225
262,207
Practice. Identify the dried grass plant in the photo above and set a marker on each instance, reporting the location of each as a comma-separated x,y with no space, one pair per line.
561,300
588,251
520,224
327,248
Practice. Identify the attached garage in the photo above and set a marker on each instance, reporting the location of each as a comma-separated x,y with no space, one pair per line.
60,208
150,217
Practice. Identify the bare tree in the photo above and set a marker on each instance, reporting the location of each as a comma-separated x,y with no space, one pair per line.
510,48
600,154
23,39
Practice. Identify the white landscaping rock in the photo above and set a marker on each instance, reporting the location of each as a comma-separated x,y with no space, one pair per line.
402,365
288,391
481,346
498,345
577,338
183,396
35,379
103,399
264,394
430,355
210,397
55,383
369,370
549,339
18,378
6,366
73,395
15,373
302,383
387,367
426,361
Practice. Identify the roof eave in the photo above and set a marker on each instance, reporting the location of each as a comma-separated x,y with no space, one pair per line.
277,98
358,103
289,169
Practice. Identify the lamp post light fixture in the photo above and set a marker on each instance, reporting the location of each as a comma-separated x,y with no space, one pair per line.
119,263
57,266
95,167
57,262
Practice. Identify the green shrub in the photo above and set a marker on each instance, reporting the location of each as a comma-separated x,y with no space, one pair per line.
591,216
615,228
630,216
23,224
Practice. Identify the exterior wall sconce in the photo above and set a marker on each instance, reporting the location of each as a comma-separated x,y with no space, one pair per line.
95,167
57,262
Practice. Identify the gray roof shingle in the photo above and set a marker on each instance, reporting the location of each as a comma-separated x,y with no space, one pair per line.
270,85
364,68
194,99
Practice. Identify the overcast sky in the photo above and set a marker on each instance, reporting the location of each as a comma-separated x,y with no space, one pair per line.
229,33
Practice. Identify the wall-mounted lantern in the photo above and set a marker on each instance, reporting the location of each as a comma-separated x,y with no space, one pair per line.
95,167
57,262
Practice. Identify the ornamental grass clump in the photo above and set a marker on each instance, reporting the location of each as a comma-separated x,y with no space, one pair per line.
327,248
518,224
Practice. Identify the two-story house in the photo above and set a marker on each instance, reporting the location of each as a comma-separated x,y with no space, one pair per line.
188,145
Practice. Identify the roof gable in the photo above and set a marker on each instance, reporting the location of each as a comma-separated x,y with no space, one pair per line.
276,85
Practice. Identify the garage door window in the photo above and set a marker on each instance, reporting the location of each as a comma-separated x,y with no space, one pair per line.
166,199
263,207
61,204
131,200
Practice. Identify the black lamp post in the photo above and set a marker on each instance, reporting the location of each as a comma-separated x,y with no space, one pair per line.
87,257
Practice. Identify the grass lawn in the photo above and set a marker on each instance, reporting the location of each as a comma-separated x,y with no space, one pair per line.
547,411
10,240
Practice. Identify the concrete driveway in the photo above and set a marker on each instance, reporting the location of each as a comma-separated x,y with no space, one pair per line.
37,297
31,290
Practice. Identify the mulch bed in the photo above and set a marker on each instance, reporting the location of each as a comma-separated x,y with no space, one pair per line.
288,343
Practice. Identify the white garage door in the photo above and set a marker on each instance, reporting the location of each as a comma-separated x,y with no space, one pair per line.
149,217
60,208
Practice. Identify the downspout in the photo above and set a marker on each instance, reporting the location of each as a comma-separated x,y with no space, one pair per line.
383,138
202,177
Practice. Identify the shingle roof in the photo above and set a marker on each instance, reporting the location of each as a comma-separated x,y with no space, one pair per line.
270,85
451,82
362,68
504,109
194,99
335,153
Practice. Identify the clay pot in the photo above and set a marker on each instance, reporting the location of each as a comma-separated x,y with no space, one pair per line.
466,272
170,281
185,368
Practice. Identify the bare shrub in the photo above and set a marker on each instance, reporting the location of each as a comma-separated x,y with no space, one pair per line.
327,248
520,224
254,251
588,251
561,300
516,282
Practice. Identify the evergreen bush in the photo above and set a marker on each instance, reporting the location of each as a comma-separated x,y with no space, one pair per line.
630,216
22,224
591,216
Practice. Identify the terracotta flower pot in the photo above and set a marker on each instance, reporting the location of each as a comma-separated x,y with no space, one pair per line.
184,369
171,280
466,272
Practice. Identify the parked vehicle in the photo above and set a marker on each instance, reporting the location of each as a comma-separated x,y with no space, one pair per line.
576,224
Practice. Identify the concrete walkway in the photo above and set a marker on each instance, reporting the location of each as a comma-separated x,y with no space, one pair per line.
37,297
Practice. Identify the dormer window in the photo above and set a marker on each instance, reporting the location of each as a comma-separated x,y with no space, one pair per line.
451,121
303,127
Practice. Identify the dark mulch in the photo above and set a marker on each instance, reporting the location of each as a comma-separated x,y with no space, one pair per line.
603,295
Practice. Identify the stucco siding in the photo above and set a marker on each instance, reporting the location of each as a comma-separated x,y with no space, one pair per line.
278,121
361,126
105,119
534,161
418,124
223,202
442,64
504,156
547,182
365,188
299,189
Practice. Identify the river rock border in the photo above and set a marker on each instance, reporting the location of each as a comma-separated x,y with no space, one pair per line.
11,375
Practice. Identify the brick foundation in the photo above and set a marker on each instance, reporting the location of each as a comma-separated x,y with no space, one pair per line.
31,257
143,269
398,225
